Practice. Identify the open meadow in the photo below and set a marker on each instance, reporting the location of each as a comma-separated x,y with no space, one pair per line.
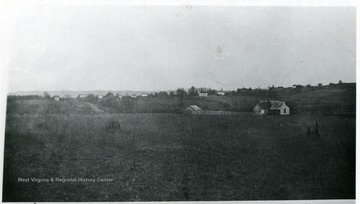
150,101
171,157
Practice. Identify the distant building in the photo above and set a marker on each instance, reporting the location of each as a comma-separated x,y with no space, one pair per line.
82,96
221,93
203,94
56,98
271,108
144,95
118,97
99,97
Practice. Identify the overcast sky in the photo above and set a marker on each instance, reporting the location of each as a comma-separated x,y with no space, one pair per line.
152,48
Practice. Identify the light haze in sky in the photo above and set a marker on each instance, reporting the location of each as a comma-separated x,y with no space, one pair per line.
152,48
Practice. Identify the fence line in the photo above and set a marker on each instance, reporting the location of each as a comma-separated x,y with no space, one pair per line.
213,112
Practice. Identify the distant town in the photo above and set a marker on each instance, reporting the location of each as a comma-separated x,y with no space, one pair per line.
192,91
333,98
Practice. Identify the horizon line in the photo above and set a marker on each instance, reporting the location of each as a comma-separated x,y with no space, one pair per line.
128,90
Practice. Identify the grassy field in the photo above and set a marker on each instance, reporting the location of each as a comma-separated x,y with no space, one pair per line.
170,157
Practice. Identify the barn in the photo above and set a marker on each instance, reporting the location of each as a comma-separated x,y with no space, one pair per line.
271,108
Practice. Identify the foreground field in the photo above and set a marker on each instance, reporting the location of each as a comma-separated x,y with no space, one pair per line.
170,157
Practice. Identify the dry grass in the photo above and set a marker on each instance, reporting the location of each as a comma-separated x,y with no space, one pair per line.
156,157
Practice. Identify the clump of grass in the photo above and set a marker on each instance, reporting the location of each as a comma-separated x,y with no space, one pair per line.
113,125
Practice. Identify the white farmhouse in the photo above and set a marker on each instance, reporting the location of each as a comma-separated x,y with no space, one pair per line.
271,108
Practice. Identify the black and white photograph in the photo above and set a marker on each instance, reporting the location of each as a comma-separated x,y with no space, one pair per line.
115,101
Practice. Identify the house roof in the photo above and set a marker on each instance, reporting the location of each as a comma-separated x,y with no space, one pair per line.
276,105
264,104
272,105
194,107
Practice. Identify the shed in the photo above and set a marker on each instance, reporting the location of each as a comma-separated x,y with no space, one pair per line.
193,108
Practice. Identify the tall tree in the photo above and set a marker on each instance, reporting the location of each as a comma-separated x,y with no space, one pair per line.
46,95
91,98
193,91
181,93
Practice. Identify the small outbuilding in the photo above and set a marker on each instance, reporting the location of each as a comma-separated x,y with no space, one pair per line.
271,108
193,108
